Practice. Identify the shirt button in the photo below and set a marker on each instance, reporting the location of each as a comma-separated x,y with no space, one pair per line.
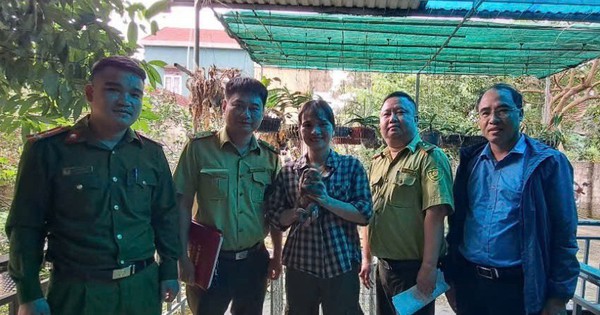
114,179
122,262
116,207
112,152
79,187
241,194
119,236
143,182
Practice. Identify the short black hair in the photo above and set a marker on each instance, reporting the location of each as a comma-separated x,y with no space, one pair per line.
517,97
401,94
119,62
317,105
246,85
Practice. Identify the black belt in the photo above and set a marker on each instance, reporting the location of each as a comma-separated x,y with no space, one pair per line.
496,273
399,265
241,254
104,275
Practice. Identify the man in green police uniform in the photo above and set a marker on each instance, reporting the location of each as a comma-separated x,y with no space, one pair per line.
103,197
411,183
228,172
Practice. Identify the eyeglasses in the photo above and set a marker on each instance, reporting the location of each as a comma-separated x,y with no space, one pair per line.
501,113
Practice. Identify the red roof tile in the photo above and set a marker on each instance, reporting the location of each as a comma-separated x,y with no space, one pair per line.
172,36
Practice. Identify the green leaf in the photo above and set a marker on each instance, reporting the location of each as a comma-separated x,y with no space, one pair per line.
156,8
153,27
132,33
158,63
50,82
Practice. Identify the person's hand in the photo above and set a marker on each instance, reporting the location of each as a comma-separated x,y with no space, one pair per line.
451,297
426,280
274,267
186,270
35,307
555,307
169,290
366,269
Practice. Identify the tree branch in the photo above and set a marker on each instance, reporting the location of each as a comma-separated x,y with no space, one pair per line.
578,101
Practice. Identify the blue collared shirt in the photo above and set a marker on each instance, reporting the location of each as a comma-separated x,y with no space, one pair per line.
492,233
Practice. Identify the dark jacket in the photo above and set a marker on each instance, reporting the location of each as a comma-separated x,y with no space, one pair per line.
548,223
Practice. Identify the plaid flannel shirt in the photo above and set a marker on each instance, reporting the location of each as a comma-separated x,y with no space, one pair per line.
330,246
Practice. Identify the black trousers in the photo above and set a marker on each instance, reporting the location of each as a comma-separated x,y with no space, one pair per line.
394,277
338,295
240,282
478,295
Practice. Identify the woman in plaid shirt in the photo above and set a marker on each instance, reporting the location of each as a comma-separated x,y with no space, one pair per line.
322,196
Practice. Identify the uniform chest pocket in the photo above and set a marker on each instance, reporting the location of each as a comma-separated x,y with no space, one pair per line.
214,183
405,191
260,181
79,197
141,184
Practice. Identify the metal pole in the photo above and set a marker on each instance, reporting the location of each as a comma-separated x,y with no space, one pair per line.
418,90
197,7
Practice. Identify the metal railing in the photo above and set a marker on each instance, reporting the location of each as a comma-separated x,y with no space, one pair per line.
585,301
587,296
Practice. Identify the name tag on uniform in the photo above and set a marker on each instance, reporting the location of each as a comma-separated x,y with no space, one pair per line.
77,170
409,171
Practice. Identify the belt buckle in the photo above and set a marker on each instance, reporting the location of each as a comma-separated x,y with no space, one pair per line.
241,255
123,272
488,273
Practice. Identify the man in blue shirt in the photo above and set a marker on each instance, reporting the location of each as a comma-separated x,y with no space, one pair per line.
512,239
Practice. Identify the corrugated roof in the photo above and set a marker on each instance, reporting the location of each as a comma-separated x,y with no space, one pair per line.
184,37
563,10
411,45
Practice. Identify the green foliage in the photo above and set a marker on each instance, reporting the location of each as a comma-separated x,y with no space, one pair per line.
281,101
47,49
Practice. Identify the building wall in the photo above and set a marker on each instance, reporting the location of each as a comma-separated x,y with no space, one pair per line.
588,173
222,58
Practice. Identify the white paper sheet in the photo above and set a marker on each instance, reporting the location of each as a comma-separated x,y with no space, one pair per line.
410,301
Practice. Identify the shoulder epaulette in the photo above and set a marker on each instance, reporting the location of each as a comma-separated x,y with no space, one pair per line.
47,134
203,134
426,146
268,146
145,138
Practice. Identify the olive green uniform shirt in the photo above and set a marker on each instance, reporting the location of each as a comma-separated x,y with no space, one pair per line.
229,187
403,188
100,209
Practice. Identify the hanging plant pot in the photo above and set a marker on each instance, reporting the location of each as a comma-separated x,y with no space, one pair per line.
342,132
449,141
270,124
472,140
431,136
345,140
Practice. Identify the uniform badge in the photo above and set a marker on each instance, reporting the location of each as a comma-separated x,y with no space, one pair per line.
77,170
433,174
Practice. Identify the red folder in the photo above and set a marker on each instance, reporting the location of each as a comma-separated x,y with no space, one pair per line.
204,245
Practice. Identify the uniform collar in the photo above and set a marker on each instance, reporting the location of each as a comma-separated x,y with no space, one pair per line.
224,138
411,146
81,132
519,148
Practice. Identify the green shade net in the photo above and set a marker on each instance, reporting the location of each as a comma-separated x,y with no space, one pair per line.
410,44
